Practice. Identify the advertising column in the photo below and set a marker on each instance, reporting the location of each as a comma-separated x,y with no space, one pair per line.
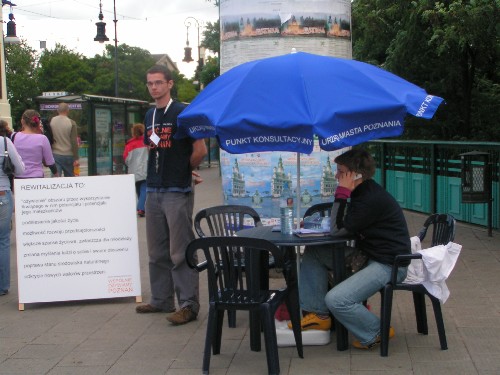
253,30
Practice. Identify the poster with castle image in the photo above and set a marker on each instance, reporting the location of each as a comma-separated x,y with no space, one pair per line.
257,19
253,30
262,179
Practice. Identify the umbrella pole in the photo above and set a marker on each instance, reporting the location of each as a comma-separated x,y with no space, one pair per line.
298,191
297,248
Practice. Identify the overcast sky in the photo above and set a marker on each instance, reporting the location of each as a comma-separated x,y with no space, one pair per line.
155,25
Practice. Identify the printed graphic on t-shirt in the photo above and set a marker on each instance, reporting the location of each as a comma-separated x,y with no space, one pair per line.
164,131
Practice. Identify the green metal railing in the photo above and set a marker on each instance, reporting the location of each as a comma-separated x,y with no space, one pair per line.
425,176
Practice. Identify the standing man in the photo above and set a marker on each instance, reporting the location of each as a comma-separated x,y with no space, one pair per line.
65,146
169,204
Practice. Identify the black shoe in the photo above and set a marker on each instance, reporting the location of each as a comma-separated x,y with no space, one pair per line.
147,309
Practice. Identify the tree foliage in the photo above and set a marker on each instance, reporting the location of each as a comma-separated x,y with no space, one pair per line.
211,37
451,48
21,77
210,71
61,69
185,90
211,41
133,62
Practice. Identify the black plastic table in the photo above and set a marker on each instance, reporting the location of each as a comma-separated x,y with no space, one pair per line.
289,241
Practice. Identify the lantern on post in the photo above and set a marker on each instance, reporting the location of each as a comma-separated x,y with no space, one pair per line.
187,49
101,28
101,38
11,37
476,181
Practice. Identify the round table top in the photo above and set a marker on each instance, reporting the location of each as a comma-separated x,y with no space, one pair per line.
280,239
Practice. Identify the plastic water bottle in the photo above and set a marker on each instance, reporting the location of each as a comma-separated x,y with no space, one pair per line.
286,216
325,224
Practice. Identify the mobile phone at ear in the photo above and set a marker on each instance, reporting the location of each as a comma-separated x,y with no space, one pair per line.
357,177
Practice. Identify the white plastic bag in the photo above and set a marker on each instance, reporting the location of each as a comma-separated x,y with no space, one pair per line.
438,262
415,273
434,268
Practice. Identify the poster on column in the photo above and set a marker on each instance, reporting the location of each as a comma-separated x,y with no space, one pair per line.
76,238
252,30
262,180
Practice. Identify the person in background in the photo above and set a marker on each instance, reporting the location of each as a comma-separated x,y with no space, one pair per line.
135,156
377,222
169,204
33,147
6,207
65,144
5,130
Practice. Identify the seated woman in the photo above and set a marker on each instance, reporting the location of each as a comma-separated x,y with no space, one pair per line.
33,146
376,220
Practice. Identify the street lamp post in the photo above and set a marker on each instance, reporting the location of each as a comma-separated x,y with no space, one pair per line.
116,50
5,113
187,50
187,58
101,38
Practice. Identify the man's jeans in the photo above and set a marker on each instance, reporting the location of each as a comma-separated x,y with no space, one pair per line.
64,163
345,300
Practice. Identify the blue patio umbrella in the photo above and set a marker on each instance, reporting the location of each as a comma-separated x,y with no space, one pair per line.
281,103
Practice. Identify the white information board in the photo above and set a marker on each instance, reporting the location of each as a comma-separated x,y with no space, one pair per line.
76,238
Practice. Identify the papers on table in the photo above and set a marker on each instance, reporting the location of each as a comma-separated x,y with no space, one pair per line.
302,232
310,232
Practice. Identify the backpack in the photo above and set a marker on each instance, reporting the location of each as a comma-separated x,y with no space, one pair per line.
47,130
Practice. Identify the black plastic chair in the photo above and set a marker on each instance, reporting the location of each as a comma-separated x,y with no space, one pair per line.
443,231
231,289
323,209
225,221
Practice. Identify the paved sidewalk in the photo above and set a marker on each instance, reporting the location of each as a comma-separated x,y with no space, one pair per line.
108,337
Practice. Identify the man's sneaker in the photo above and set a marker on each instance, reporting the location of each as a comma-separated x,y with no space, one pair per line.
182,316
313,321
148,309
377,341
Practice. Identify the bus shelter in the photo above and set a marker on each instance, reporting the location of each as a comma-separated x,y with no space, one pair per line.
104,125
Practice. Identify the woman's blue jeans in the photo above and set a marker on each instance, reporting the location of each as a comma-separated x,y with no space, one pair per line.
140,189
6,207
345,300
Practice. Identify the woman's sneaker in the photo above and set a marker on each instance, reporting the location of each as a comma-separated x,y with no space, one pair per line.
313,321
377,341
